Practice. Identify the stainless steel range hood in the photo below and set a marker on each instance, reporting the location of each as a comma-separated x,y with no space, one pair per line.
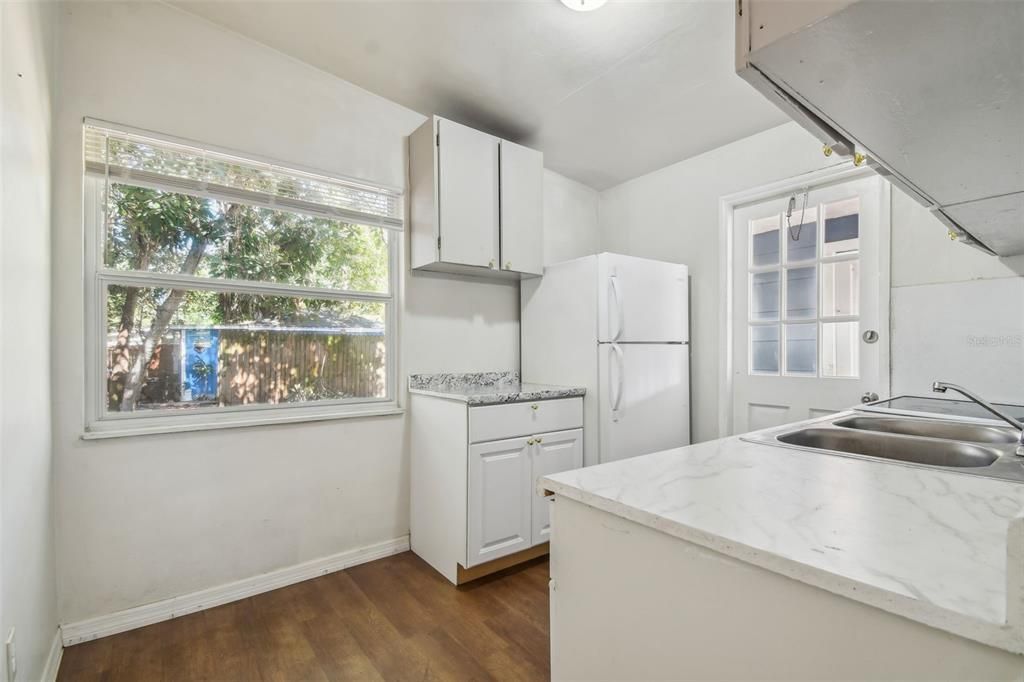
930,93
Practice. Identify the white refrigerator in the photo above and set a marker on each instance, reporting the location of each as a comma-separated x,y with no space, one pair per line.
618,326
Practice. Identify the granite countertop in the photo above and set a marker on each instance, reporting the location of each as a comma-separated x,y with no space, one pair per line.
487,388
933,546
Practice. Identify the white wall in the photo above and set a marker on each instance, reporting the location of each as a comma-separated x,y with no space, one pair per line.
957,314
672,214
570,219
27,582
143,519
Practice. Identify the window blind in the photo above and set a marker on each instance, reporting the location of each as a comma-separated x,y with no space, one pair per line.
137,159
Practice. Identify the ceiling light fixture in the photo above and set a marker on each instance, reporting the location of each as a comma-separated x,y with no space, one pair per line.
583,5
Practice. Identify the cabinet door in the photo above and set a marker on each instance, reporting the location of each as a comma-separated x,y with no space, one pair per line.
498,511
553,453
467,195
522,209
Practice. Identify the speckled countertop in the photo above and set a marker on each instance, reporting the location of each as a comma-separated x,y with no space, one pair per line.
487,388
942,548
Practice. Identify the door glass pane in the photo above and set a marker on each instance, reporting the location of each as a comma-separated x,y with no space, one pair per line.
764,296
764,241
801,237
802,349
840,288
801,293
764,349
842,227
840,349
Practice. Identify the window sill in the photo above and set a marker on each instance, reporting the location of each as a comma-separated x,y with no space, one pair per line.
157,425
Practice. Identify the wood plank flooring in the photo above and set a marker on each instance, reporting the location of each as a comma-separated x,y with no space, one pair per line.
392,619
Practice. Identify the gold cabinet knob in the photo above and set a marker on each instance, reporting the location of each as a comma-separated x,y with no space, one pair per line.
491,264
540,440
859,159
508,265
827,150
530,442
535,406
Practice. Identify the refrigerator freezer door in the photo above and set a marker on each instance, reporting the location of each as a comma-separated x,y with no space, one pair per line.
644,394
641,300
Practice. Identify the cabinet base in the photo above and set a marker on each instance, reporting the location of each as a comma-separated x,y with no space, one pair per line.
465,575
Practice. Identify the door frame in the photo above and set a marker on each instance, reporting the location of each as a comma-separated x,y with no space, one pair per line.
831,175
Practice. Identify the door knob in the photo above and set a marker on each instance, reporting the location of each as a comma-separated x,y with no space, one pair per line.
869,397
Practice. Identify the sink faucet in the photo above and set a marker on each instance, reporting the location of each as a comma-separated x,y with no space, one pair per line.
941,386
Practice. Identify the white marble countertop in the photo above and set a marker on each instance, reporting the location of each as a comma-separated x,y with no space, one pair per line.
929,545
488,388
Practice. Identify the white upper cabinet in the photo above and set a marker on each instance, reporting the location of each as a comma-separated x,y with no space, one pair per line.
522,209
467,195
476,202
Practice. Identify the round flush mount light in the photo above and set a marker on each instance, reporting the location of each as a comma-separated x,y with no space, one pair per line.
583,5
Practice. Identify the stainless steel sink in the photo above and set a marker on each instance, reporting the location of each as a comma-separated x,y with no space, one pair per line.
949,445
932,428
940,453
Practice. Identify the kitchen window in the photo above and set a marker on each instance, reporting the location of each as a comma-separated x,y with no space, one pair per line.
224,290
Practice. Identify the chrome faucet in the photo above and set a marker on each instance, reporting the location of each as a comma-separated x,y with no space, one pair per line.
941,386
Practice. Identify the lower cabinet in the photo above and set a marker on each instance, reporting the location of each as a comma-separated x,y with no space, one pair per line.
499,511
505,512
473,478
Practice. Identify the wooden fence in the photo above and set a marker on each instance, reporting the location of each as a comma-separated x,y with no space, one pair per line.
269,367
275,367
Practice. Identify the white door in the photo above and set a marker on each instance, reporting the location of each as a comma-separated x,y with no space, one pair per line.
641,300
499,504
810,313
552,454
522,209
644,398
467,195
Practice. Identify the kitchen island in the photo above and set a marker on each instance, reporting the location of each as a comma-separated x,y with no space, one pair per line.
732,559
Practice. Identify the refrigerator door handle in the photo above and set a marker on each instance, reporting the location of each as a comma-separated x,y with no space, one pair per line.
620,383
620,313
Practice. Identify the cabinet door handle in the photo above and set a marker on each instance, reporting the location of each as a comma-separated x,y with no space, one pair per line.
535,406
540,440
508,265
491,264
530,442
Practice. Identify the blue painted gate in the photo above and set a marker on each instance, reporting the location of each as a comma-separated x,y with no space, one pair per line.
201,364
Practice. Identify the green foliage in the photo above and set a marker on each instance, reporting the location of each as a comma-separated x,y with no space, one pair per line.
152,230
171,233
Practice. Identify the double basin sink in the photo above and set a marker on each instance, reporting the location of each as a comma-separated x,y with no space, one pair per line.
963,446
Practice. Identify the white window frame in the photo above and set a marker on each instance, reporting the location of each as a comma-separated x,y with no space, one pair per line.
101,423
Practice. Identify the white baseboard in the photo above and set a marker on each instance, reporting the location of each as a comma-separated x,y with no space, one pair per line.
53,659
139,616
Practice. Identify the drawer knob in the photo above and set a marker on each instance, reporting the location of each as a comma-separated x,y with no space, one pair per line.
540,440
534,406
530,442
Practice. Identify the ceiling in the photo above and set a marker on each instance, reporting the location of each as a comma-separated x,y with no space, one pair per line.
607,95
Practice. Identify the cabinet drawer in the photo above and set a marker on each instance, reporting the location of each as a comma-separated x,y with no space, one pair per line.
493,422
